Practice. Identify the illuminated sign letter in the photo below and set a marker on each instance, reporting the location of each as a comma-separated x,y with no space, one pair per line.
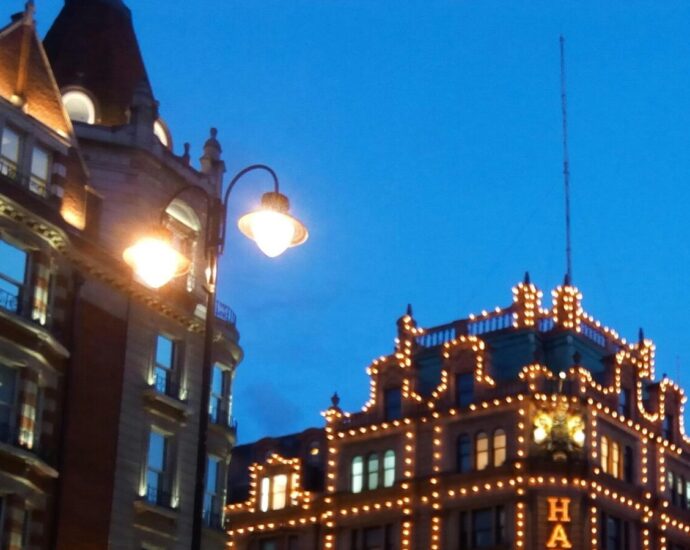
559,513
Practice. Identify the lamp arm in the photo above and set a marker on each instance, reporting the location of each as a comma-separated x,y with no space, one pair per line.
223,207
194,188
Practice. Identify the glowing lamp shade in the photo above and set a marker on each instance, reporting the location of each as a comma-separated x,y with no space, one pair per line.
154,260
273,229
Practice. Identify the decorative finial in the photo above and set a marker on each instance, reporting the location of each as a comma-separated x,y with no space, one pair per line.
185,155
214,132
29,10
335,400
640,336
408,311
566,280
526,280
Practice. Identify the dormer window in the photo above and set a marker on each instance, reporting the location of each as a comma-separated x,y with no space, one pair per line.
10,148
79,106
274,492
40,170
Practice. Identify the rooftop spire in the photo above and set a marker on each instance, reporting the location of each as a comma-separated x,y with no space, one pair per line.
566,164
92,45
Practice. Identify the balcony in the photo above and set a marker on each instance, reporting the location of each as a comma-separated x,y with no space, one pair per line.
164,384
221,421
163,397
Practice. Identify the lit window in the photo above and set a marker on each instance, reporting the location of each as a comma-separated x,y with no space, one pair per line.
79,106
464,456
357,474
165,364
12,276
212,501
219,407
10,148
157,479
499,447
373,471
184,225
161,132
482,450
279,492
389,468
615,459
392,403
605,454
40,171
265,493
464,389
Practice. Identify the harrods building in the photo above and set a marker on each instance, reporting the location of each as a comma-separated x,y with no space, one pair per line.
527,427
100,375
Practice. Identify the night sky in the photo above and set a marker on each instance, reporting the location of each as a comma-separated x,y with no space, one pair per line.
421,144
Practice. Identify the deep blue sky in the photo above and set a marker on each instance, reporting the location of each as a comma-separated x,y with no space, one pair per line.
421,144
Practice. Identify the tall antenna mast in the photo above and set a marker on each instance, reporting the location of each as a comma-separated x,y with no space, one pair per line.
566,169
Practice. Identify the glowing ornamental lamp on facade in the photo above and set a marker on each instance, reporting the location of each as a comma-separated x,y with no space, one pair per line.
155,261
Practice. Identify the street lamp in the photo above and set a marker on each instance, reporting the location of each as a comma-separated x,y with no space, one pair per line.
155,261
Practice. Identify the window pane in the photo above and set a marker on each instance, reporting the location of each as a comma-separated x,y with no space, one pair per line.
8,377
265,487
615,459
357,474
481,528
13,265
605,454
279,491
373,472
464,459
482,450
164,351
389,468
464,389
212,475
217,381
499,447
10,146
39,163
157,451
392,402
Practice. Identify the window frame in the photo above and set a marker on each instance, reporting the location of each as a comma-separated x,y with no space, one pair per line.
164,476
34,179
497,463
482,456
169,385
461,391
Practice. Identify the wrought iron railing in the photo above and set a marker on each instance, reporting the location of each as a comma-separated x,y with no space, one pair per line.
9,170
225,313
164,383
9,301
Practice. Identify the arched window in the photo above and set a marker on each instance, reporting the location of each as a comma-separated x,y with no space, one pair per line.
185,226
389,468
357,474
161,131
615,459
79,106
373,471
605,454
464,455
499,447
482,450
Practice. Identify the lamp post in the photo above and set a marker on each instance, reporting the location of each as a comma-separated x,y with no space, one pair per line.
156,262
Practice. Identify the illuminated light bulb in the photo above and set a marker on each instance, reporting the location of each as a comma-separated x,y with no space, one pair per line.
539,434
273,229
155,261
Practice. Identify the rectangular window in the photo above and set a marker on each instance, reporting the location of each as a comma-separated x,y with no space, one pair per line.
8,393
615,533
668,427
392,402
279,492
220,402
624,402
157,469
10,151
268,544
464,389
265,493
615,459
500,525
357,474
373,471
164,370
12,276
482,528
40,171
212,503
629,464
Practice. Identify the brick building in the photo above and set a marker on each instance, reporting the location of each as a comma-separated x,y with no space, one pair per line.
527,427
99,374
